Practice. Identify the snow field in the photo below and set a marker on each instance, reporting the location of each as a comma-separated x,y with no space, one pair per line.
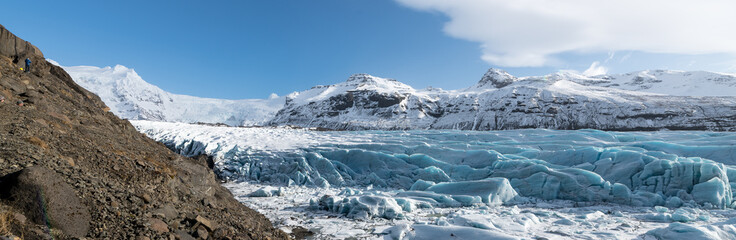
130,97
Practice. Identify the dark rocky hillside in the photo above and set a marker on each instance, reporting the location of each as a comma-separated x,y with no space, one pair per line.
71,169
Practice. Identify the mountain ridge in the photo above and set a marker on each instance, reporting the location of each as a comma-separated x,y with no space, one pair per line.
644,100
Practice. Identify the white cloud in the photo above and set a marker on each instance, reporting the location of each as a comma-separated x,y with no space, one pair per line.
519,33
595,69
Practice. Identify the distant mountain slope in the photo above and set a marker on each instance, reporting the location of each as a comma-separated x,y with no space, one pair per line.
502,101
130,97
361,102
646,100
677,83
669,82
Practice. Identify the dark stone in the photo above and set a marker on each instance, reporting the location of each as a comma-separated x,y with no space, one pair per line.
146,198
223,233
301,233
385,100
202,232
158,225
183,235
45,198
168,211
202,159
342,101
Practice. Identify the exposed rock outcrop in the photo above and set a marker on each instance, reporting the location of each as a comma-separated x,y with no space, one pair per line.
496,78
63,142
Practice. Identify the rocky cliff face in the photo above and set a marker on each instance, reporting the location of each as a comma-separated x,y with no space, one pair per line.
71,169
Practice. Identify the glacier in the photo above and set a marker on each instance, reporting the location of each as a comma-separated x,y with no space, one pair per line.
425,179
679,177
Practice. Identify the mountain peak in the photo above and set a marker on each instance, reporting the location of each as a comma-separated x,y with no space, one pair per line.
366,81
365,78
496,78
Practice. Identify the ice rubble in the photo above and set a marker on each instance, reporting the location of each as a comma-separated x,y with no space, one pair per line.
539,220
436,232
454,168
684,231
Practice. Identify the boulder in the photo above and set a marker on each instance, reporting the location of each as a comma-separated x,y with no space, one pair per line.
158,225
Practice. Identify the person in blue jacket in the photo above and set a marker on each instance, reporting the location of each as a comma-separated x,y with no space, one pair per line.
28,65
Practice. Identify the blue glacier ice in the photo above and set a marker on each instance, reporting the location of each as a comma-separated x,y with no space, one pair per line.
459,168
419,231
490,190
684,231
362,206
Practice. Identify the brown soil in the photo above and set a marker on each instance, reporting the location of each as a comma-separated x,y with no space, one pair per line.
132,186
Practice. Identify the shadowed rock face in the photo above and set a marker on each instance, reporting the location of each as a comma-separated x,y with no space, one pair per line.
45,198
64,148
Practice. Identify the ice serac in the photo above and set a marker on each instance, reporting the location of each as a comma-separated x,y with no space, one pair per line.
454,168
361,207
491,191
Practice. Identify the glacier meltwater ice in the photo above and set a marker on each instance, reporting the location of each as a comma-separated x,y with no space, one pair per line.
460,168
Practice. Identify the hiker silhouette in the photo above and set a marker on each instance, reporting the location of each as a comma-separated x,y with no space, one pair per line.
28,65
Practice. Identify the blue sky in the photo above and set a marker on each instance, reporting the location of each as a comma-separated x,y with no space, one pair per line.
249,49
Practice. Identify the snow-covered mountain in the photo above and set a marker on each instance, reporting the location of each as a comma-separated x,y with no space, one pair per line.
502,101
677,83
130,97
646,100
